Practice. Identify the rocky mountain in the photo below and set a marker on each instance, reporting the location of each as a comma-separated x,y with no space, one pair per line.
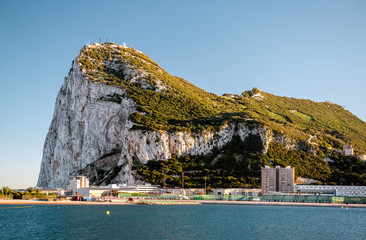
117,110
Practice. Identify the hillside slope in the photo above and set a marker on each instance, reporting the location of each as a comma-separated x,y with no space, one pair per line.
171,103
118,109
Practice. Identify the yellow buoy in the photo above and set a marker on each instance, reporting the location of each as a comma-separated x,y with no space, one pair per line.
342,207
107,212
346,207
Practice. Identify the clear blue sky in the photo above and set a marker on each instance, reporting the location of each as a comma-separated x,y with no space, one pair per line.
302,49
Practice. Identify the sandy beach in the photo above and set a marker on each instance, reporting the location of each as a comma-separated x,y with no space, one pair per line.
124,202
35,202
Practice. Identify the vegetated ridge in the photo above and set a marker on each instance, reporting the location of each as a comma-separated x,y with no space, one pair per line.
304,131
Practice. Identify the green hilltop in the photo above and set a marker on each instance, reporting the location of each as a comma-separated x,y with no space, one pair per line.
170,103
185,107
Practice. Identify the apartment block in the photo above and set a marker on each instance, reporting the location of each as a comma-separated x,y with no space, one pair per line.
277,179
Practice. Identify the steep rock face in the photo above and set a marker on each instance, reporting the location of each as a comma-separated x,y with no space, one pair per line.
118,109
91,134
146,145
90,120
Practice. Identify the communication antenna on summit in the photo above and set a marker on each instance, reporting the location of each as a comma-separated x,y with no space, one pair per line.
100,40
106,40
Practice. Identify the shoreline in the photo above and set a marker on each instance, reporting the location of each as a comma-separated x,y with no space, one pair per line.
36,202
291,204
180,202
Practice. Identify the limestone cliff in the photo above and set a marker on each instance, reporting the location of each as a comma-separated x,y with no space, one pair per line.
91,132
117,109
85,126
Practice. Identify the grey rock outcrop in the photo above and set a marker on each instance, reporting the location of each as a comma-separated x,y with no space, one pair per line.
90,120
91,134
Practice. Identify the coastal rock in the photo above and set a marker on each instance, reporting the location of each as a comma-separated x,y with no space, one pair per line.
87,124
91,132
147,145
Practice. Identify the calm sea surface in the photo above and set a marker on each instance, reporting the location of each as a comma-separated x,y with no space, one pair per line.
181,222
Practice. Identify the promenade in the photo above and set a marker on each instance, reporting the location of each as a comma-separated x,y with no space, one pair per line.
294,204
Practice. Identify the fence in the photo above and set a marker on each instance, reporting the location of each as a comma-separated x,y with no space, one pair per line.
41,197
192,197
6,197
127,195
297,198
357,200
313,199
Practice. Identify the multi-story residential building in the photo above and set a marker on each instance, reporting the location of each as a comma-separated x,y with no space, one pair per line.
277,179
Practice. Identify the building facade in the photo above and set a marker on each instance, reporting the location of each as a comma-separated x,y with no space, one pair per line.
277,179
342,191
148,188
78,182
347,150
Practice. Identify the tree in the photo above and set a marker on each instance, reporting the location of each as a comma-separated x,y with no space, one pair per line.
30,190
114,193
17,195
208,189
7,190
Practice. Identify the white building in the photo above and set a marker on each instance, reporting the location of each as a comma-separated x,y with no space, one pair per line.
60,192
236,191
348,150
147,188
99,191
91,191
345,191
78,182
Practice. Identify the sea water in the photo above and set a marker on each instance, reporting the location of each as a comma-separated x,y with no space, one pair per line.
180,222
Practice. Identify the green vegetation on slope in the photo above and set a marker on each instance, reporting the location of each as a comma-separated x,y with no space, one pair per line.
330,123
226,167
238,165
181,106
165,102
347,170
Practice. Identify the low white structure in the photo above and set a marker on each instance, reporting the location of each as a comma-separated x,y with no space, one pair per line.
91,191
60,192
346,191
236,191
105,190
147,188
348,150
176,191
